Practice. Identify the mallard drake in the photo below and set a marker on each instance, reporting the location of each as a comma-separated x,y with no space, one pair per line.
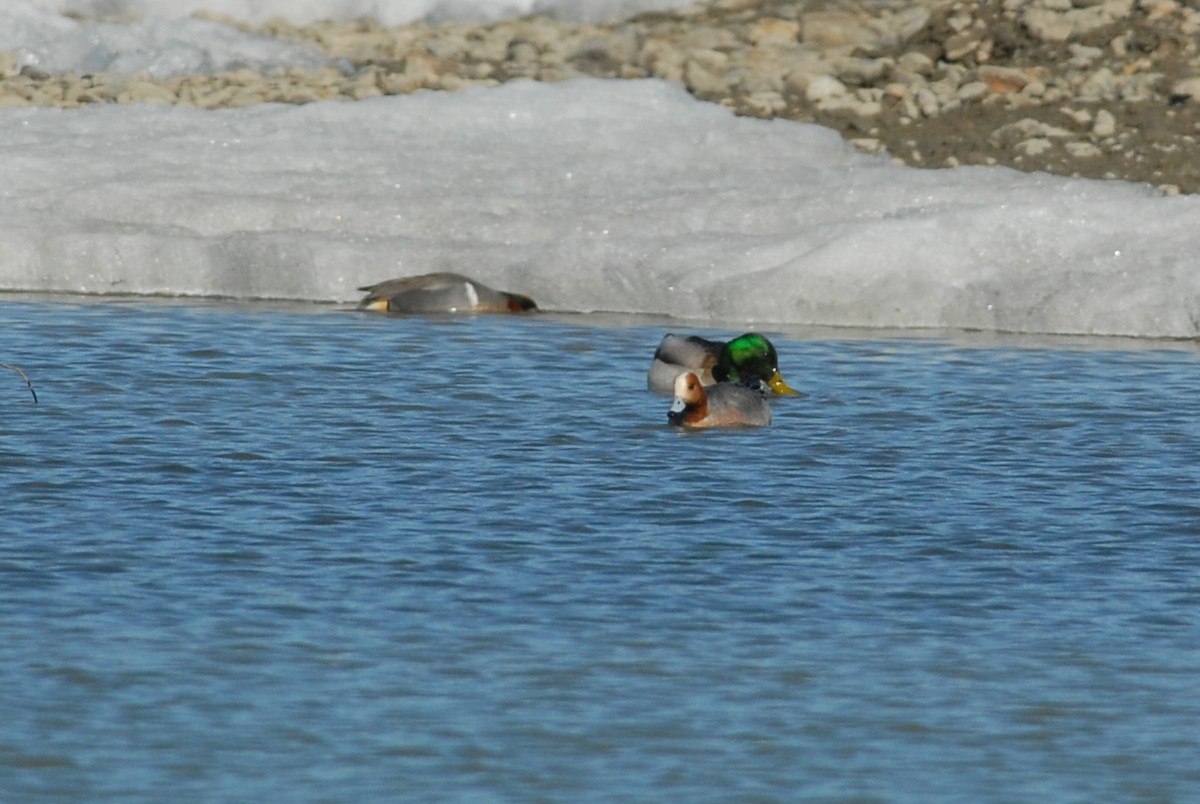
722,405
747,358
441,293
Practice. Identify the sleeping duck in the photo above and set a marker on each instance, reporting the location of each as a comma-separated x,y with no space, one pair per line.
748,358
441,293
721,405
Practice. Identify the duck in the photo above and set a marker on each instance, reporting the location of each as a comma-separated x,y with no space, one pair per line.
442,292
721,405
749,358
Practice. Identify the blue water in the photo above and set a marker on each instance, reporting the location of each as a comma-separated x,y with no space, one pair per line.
306,555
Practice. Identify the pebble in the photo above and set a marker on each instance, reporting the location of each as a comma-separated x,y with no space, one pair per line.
824,88
1105,125
1034,146
1187,89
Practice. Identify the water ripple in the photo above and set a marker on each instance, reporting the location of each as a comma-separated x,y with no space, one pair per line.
252,552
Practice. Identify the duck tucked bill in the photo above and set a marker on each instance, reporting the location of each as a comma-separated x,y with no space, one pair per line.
441,293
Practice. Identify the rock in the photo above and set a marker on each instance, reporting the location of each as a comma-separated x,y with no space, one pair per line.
823,88
1082,55
245,97
451,47
522,51
1100,85
1082,117
1035,146
419,70
664,60
702,82
1026,129
144,91
972,91
837,30
540,31
866,103
1052,25
773,31
927,102
846,31
868,144
76,90
766,104
721,39
1083,150
34,73
761,74
962,44
1105,125
10,101
364,85
861,72
1159,8
490,46
1003,80
1033,91
735,5
604,55
903,25
916,63
1187,89
1139,88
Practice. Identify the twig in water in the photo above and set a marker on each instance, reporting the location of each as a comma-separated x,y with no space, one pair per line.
25,377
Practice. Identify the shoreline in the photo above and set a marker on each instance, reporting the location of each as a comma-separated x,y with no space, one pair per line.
1105,89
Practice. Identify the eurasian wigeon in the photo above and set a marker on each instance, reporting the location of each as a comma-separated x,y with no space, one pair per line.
721,405
441,293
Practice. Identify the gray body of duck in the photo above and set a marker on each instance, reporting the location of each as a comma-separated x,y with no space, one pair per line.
441,293
678,354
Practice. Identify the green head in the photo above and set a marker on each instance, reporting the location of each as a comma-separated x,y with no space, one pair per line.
748,358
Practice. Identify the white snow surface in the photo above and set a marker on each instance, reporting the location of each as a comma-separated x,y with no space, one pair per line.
587,195
389,12
155,45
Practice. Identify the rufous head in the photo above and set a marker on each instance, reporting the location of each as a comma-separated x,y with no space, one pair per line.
690,400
